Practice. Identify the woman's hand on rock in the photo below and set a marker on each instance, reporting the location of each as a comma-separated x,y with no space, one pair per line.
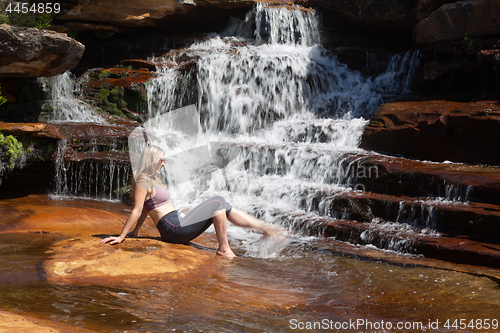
112,240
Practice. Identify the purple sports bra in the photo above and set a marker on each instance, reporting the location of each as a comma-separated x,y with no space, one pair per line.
160,198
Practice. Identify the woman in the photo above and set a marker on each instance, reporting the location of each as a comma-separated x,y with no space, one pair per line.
152,197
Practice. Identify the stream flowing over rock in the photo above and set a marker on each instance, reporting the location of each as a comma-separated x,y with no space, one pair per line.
29,52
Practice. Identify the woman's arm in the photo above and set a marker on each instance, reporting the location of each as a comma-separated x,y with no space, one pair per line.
139,224
135,216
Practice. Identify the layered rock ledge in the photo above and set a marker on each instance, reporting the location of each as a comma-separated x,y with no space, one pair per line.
437,130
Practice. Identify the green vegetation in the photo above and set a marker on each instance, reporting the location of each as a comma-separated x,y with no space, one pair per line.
103,34
2,98
111,100
104,74
31,19
116,97
42,149
136,100
12,153
470,42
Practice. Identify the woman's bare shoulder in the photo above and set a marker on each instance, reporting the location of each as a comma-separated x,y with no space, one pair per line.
143,182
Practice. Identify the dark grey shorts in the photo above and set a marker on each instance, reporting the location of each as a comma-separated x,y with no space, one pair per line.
176,229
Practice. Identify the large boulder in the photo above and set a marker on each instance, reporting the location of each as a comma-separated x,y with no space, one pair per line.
454,22
29,52
75,229
437,130
123,13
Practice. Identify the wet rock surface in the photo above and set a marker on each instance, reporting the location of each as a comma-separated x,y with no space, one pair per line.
12,322
86,148
397,233
74,254
421,179
29,129
51,247
40,214
119,91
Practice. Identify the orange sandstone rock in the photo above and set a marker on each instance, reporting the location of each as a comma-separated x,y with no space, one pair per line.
84,260
35,217
14,323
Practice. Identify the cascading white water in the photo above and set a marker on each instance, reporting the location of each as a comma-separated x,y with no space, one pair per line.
282,25
291,25
90,179
65,106
289,113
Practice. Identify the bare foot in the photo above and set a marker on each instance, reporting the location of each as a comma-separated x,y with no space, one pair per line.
226,253
275,232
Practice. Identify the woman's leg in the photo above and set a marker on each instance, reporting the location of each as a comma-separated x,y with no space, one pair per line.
199,219
220,225
245,220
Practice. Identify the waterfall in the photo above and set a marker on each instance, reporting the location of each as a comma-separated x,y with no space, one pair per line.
281,114
292,25
285,113
89,178
63,102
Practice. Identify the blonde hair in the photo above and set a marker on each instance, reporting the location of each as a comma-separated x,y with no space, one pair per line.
146,166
